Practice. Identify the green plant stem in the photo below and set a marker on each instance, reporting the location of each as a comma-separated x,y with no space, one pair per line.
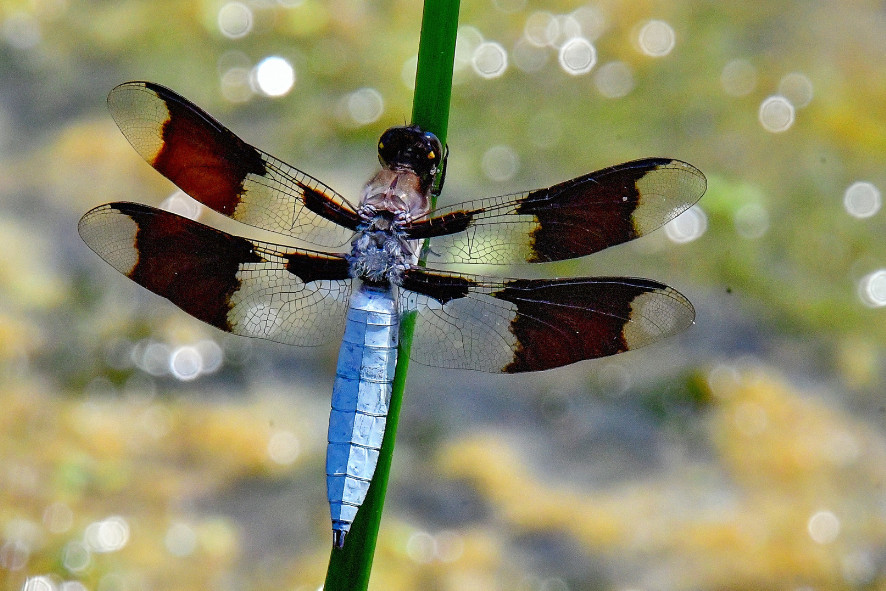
349,568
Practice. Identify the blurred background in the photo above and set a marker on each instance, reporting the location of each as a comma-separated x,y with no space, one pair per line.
141,449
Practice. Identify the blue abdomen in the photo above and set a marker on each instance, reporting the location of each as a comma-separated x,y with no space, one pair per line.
366,363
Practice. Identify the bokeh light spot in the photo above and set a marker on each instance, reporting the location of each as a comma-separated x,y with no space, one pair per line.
234,69
180,540
450,546
823,527
500,163
283,447
212,355
614,80
185,363
841,447
274,76
723,379
862,200
776,114
859,568
233,58
14,554
591,21
541,29
872,289
235,20
467,39
751,221
76,556
490,60
656,38
421,547
235,85
577,56
568,28
365,105
151,357
108,535
58,518
688,226
797,88
738,78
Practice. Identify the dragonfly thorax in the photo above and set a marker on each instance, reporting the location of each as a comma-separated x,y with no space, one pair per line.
378,253
394,197
398,191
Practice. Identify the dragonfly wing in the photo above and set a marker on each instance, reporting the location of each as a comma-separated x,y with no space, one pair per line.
517,325
217,168
572,219
241,286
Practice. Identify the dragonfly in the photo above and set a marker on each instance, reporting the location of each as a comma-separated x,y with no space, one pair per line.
362,272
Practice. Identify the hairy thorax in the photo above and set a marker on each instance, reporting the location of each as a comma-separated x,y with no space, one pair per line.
379,252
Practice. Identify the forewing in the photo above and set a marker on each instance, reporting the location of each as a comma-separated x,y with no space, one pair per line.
572,219
245,287
518,325
215,167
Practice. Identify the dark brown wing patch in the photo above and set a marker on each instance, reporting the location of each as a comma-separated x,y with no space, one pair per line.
583,216
567,320
317,201
190,264
450,223
310,267
202,157
441,287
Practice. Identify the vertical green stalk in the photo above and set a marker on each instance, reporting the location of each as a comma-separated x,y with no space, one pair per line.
349,567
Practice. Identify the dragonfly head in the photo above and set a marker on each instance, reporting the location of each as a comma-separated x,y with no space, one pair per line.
411,148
